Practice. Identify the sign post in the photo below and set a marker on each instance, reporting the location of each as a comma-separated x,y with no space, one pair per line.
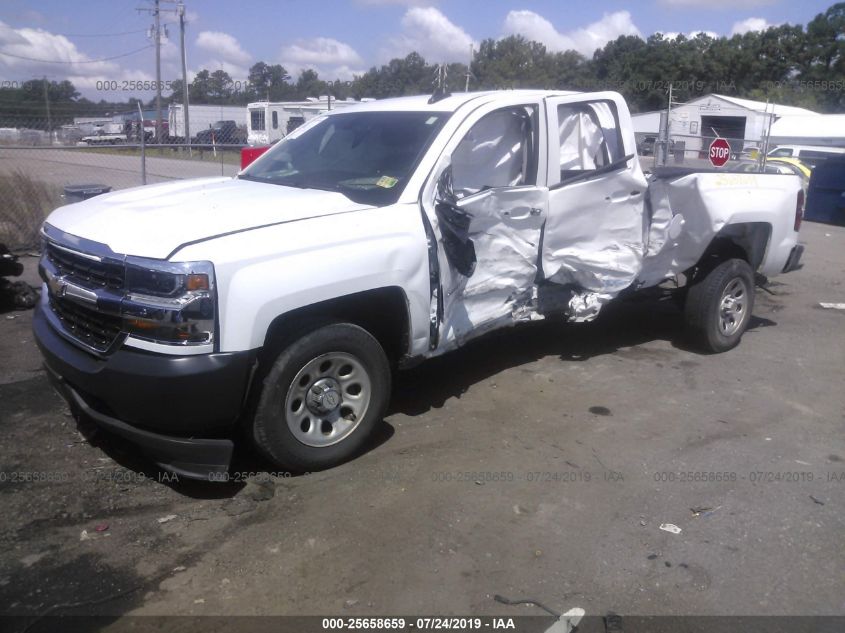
720,152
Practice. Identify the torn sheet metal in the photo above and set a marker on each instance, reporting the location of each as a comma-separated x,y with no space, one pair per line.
505,230
689,211
594,236
594,239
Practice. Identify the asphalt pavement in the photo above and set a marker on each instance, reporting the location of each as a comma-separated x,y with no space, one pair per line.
548,461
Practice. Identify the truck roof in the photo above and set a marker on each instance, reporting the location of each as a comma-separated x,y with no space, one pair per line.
451,103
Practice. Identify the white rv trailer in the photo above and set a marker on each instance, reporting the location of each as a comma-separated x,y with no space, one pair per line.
268,121
201,117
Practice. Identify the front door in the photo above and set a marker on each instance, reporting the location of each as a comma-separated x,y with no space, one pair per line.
593,239
490,213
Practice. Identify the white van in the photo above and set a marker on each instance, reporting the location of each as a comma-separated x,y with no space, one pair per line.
807,154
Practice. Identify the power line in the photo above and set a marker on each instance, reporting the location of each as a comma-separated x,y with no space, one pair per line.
85,61
108,34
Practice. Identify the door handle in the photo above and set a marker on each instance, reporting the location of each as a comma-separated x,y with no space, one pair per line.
622,197
522,212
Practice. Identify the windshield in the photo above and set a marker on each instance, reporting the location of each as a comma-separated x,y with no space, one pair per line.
366,156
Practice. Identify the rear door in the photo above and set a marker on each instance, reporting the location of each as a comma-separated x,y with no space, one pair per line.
593,239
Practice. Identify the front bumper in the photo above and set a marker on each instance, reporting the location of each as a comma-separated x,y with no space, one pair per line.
180,410
794,261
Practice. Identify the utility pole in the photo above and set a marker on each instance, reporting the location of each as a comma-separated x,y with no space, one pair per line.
156,12
47,105
181,11
469,68
158,72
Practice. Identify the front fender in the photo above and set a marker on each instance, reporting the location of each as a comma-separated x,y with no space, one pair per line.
267,272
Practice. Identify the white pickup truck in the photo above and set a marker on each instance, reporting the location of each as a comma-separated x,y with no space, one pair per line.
272,306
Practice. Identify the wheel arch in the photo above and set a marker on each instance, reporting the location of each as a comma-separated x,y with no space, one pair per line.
383,312
748,241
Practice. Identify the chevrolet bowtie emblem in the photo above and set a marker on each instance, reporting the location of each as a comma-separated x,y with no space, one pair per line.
58,286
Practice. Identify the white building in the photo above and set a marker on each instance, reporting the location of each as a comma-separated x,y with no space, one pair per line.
821,130
696,123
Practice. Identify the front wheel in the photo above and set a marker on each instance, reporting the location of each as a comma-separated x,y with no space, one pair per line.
322,398
718,306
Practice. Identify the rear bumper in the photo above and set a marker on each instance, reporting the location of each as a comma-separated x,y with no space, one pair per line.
794,261
180,410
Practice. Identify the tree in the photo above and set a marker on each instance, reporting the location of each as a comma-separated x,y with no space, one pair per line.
269,82
309,84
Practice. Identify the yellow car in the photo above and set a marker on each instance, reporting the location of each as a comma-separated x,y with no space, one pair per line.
794,165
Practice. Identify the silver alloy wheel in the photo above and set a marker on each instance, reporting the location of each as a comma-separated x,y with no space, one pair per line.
327,399
733,307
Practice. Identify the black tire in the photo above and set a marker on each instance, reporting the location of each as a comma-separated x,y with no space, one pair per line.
271,428
705,325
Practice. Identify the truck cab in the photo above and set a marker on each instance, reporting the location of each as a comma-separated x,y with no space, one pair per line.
275,305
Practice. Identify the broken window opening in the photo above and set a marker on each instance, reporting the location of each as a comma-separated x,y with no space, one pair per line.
590,137
499,151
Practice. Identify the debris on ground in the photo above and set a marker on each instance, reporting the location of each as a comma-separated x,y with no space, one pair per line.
613,623
832,306
816,501
102,527
704,511
670,527
167,518
260,488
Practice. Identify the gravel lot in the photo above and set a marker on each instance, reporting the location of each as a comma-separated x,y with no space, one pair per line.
538,462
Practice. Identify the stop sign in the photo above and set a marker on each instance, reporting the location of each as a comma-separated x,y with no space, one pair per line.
720,152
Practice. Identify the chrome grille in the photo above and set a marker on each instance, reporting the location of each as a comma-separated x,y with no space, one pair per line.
95,329
90,272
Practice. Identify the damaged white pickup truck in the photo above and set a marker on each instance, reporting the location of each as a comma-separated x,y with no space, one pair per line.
272,305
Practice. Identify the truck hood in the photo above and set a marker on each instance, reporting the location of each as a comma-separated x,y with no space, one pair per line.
155,220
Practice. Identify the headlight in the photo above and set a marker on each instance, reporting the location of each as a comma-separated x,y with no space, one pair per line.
171,303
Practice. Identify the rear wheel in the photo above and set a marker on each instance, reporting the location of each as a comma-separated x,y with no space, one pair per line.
719,305
322,398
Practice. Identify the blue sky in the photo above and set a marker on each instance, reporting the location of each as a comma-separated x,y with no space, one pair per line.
339,38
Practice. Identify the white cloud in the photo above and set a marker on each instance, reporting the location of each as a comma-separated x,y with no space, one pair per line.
332,59
673,35
31,52
751,24
223,46
431,34
585,40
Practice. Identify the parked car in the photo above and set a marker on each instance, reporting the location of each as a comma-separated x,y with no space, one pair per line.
808,154
826,193
222,133
785,166
646,147
274,305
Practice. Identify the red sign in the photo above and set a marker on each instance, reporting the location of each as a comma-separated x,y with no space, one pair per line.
720,152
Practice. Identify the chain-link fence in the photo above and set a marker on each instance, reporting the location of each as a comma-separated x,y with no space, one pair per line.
683,136
42,168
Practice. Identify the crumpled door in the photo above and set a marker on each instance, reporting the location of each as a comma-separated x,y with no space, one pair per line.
593,238
501,240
